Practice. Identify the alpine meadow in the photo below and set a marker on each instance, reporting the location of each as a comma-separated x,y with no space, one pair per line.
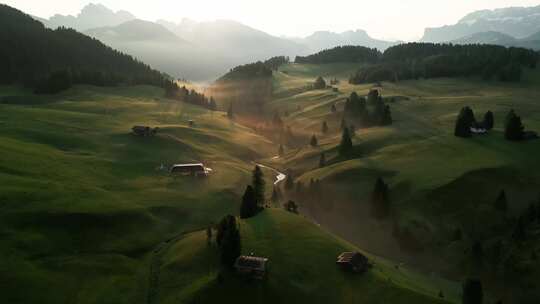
155,160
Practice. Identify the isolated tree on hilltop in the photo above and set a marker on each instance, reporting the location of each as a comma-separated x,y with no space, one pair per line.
313,142
289,181
322,160
228,239
319,83
488,120
249,206
258,184
514,128
501,202
472,292
380,200
345,146
324,128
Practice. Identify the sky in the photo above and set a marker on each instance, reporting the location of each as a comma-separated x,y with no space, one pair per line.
384,19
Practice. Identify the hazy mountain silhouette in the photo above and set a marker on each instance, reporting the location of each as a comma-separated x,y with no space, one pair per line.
91,16
325,40
531,42
518,22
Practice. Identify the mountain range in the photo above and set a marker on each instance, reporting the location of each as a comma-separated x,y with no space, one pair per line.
202,51
518,22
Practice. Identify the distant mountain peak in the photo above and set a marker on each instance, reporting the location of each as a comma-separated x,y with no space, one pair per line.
92,15
518,22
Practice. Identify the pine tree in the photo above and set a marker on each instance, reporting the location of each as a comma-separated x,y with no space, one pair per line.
380,201
333,108
345,146
319,83
258,184
488,120
281,151
322,160
501,202
230,112
387,116
464,123
275,195
313,142
289,181
230,247
324,128
249,206
514,128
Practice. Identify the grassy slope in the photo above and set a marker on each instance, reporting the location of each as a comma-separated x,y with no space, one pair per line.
82,200
428,169
302,269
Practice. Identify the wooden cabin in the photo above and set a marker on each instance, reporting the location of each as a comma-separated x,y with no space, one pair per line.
197,169
252,266
353,262
144,131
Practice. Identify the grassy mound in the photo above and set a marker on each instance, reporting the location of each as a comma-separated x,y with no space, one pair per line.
301,269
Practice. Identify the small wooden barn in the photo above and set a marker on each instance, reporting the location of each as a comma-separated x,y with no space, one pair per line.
252,266
353,261
195,169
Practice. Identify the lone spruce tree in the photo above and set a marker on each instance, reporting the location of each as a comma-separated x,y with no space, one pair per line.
514,128
345,146
249,207
324,128
228,239
464,122
313,142
258,185
380,200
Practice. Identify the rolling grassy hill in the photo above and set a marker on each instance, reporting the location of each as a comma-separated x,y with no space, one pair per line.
439,183
302,269
87,214
83,200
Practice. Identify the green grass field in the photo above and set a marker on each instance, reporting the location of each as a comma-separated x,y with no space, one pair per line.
83,201
301,269
85,209
439,183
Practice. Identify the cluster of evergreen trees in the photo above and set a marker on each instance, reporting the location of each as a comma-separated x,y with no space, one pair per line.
429,60
248,71
466,120
253,199
356,109
380,200
275,62
248,86
342,54
513,127
52,60
173,91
